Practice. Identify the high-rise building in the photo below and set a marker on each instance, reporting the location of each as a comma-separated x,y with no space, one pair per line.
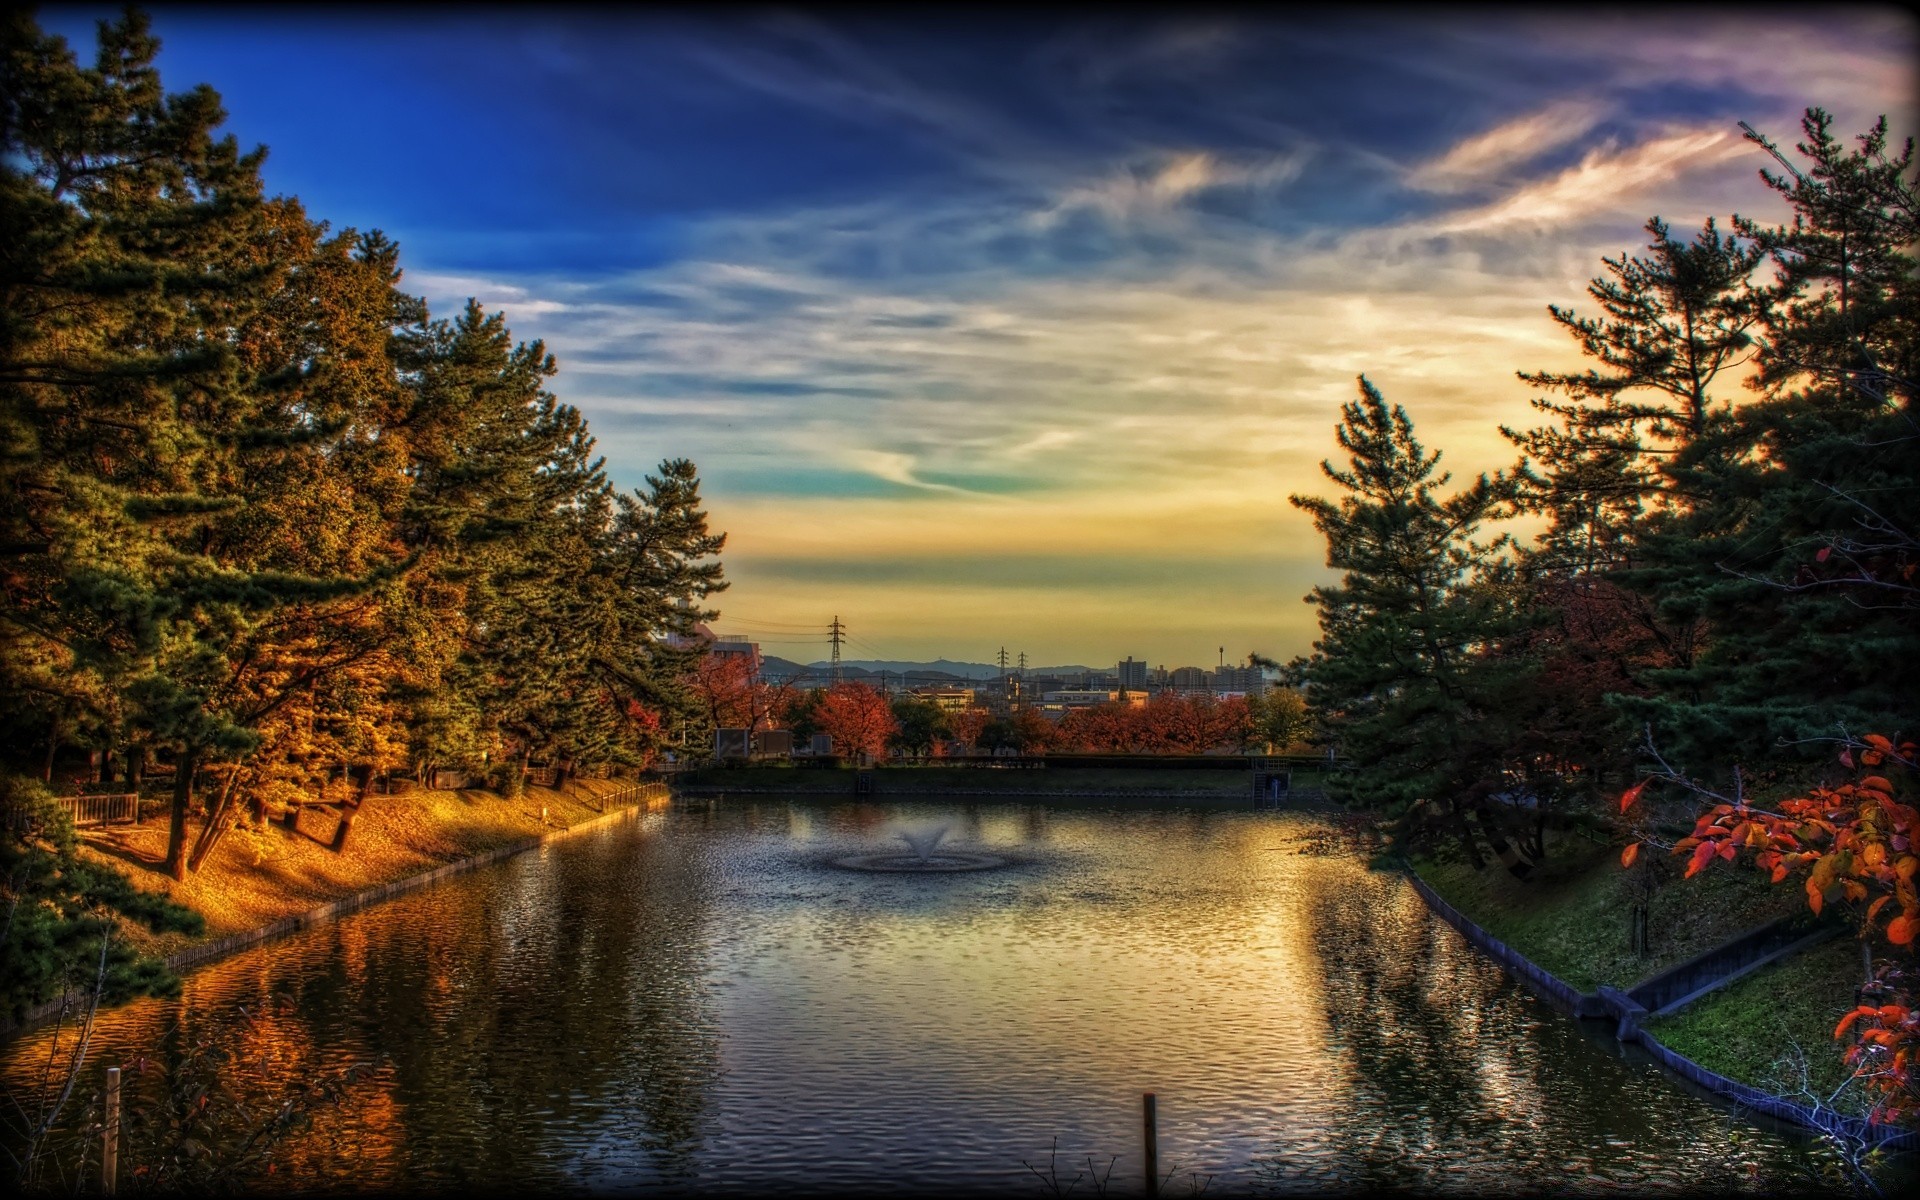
1189,679
1240,679
1133,675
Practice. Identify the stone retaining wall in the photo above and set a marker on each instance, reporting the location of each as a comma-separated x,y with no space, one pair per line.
1612,1003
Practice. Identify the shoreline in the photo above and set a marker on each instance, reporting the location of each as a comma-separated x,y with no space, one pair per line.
633,802
1611,1004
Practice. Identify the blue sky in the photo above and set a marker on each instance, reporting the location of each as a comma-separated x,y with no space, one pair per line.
1020,330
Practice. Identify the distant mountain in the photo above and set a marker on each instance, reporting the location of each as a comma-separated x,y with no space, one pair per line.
940,670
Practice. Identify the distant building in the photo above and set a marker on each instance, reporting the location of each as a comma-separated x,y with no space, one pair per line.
1189,679
1132,674
1079,697
1245,680
721,646
725,648
950,700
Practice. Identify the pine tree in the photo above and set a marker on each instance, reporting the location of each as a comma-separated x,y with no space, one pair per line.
1673,321
1805,572
1393,674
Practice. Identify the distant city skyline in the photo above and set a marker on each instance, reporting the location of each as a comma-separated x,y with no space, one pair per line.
1022,331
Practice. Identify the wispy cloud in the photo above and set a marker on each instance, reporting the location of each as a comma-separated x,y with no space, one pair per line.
1121,343
1606,178
1488,157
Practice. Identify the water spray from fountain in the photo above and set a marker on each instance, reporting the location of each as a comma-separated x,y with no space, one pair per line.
923,841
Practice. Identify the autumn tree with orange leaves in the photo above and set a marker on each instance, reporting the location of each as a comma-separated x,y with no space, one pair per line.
1849,844
858,717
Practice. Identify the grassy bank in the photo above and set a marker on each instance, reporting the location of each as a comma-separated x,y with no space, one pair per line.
1572,914
1758,1029
1572,918
257,876
905,781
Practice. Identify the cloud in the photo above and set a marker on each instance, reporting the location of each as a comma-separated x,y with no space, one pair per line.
1605,179
1488,157
1046,439
895,467
1129,355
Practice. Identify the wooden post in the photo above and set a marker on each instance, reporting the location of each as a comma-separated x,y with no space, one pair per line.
110,1136
1151,1130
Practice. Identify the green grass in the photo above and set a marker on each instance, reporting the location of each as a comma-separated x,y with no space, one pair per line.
1747,1031
1571,915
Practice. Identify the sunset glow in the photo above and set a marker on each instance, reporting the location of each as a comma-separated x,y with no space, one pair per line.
1021,335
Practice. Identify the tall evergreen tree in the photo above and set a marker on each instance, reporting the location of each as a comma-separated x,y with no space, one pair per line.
1394,673
1801,561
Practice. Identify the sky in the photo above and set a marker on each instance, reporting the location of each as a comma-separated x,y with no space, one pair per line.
1019,332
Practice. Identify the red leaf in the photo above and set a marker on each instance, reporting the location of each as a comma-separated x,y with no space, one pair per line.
1900,930
1702,854
1846,758
1632,852
1631,794
1825,551
1879,741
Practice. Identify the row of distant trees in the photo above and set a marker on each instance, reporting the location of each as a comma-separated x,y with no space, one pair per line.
862,720
264,519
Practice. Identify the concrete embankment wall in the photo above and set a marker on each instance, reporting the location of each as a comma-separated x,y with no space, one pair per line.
1736,958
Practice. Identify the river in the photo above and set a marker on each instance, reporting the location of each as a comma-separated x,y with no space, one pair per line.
701,999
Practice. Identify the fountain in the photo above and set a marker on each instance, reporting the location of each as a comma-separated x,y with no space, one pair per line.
924,859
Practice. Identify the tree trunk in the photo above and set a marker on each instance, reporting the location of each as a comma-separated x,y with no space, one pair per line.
349,811
53,744
1468,842
219,820
177,827
1516,866
136,767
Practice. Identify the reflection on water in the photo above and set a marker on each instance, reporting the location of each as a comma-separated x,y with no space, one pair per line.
700,999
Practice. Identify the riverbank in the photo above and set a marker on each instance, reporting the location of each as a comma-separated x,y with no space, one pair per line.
1572,918
259,876
1225,786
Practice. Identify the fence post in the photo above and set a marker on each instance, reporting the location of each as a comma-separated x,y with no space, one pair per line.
1151,1130
110,1136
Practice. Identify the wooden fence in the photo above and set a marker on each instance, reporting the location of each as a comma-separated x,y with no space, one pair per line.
102,810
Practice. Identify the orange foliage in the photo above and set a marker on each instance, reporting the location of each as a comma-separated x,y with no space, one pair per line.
1170,724
968,724
858,718
1852,843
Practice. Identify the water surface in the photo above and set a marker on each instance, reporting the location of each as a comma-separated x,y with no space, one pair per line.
700,999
